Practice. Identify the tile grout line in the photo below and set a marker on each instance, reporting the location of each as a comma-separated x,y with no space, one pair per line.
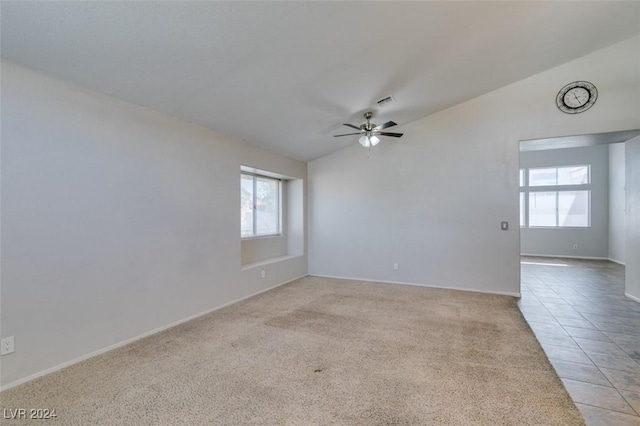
602,312
596,365
606,409
614,386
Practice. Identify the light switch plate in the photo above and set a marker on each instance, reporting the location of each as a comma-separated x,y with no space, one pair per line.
504,225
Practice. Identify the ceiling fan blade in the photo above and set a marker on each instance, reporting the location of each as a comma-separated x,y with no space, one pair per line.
384,126
347,134
393,135
351,125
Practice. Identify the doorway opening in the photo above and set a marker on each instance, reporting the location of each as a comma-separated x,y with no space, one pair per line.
573,196
574,284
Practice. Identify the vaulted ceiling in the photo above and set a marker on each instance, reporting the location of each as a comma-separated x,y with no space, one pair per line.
285,75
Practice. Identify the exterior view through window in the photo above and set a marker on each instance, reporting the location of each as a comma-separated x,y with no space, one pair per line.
555,197
259,206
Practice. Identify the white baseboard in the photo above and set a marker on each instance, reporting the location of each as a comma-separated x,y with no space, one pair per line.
565,257
634,298
135,338
501,293
574,257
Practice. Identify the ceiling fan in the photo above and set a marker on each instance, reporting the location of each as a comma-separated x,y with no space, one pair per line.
369,132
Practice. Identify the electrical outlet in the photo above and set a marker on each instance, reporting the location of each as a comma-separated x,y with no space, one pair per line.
6,345
575,247
263,274
395,266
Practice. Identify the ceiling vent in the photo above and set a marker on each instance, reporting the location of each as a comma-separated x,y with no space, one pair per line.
385,101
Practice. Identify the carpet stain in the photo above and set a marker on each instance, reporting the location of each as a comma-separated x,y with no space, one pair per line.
308,321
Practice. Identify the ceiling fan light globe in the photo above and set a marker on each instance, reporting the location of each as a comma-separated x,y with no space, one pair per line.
374,140
364,141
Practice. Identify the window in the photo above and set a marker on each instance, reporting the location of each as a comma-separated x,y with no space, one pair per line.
542,209
572,175
522,205
522,210
558,197
259,206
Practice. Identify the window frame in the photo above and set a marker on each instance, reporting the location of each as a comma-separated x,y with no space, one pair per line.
524,203
557,168
254,234
556,188
557,209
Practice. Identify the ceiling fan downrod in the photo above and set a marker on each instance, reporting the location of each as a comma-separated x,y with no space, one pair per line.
368,126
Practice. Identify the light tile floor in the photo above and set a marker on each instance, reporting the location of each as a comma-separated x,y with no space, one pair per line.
590,332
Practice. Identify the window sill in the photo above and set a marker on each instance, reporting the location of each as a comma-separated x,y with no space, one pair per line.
269,261
260,237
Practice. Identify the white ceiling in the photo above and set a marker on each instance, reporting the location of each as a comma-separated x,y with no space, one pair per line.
284,76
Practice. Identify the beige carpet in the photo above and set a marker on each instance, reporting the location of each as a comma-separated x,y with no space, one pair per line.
321,351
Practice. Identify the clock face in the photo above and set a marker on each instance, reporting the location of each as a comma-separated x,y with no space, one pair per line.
576,97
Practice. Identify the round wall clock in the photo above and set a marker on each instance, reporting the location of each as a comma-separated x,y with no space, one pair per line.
576,97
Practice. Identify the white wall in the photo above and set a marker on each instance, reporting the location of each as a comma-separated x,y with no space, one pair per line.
116,220
632,270
433,200
296,217
617,202
592,241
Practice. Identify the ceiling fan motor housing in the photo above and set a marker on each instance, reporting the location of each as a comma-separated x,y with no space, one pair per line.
368,126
